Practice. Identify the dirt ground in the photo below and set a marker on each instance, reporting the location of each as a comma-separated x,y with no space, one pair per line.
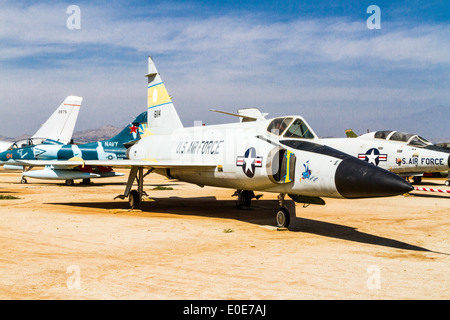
59,242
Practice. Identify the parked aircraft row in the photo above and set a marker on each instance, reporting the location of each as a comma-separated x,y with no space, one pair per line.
111,149
281,155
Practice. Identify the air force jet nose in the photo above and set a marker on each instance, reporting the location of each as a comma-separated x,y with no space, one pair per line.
358,179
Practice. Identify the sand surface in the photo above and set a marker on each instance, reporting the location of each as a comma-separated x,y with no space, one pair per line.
59,242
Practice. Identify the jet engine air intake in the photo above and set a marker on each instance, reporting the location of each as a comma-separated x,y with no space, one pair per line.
281,165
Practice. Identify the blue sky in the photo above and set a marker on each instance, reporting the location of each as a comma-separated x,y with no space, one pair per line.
316,59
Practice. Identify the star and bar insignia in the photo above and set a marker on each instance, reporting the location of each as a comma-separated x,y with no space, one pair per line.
372,156
249,162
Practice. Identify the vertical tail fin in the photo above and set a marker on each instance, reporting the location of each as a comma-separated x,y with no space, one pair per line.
161,113
350,133
131,133
60,125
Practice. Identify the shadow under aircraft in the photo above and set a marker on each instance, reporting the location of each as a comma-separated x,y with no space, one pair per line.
259,214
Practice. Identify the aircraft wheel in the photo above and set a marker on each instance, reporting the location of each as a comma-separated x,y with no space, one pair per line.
134,199
23,180
245,198
283,218
417,179
69,182
447,183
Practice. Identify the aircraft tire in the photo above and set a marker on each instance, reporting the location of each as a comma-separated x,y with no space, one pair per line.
69,182
134,199
23,180
245,198
283,218
447,183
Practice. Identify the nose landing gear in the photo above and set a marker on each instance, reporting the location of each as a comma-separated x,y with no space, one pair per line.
282,216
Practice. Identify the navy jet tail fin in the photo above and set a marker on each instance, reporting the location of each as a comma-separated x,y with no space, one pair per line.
131,133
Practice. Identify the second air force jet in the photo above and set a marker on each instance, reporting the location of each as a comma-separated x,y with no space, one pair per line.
281,155
402,153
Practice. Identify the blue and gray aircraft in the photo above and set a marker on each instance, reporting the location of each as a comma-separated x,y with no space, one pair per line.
111,149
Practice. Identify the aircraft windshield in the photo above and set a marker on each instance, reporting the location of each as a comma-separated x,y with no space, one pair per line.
279,125
299,129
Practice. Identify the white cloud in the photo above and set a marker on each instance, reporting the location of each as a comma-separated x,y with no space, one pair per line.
311,40
224,61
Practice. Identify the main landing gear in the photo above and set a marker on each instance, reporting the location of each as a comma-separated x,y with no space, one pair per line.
135,196
282,215
245,197
134,199
417,179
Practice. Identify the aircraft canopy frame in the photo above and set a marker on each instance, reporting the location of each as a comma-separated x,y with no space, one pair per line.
30,142
290,127
410,139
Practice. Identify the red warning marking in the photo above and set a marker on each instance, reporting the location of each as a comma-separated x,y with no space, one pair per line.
431,190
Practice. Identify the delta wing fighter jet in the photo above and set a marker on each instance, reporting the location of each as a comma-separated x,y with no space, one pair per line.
59,127
111,149
281,155
402,153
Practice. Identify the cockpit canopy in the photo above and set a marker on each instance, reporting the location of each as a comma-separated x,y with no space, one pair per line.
32,142
290,127
412,140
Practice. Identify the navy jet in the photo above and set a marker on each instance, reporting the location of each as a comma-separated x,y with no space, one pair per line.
58,127
282,155
111,149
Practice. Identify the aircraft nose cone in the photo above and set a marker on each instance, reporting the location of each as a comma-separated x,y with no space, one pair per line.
358,179
3,156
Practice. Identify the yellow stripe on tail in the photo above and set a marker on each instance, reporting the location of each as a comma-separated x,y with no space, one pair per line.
162,117
157,95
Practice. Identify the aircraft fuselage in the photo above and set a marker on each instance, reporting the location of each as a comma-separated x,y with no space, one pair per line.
396,157
246,156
